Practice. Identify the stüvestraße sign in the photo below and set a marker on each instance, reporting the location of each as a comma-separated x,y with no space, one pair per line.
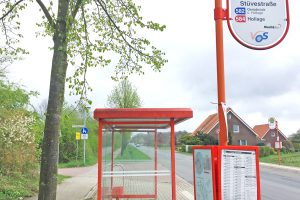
258,24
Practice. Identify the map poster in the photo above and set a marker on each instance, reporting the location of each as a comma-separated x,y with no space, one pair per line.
238,174
203,174
258,24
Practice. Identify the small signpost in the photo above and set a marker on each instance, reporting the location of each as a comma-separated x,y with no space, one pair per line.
84,133
258,24
273,124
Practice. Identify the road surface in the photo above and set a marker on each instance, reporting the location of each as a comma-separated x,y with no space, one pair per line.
276,184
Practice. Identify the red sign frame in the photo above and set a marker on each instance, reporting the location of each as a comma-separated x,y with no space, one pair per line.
240,148
253,47
216,153
213,165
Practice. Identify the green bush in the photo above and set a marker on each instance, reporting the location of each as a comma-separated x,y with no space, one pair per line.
68,144
181,148
206,139
289,148
266,151
260,144
188,139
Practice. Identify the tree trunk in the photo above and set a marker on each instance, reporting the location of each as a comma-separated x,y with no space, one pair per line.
49,159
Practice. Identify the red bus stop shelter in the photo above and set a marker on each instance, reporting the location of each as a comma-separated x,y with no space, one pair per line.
136,120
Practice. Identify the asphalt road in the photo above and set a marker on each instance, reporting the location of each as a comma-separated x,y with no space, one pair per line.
276,184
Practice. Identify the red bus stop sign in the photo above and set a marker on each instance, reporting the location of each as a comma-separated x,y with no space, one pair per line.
258,24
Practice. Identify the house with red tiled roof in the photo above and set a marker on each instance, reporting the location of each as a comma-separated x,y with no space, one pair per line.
240,132
268,136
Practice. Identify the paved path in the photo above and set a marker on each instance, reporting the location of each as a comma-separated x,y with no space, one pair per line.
78,186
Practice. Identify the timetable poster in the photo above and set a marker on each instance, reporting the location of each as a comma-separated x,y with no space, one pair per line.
238,175
203,174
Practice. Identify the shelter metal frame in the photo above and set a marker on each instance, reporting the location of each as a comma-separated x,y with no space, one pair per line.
141,120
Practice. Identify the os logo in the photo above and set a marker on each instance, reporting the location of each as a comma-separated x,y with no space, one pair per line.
259,36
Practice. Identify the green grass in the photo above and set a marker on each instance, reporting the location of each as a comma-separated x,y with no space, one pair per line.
18,186
61,178
91,160
288,159
132,153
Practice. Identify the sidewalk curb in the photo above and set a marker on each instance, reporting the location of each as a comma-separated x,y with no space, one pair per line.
281,167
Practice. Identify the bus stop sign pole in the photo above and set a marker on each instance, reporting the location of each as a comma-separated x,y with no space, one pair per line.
220,15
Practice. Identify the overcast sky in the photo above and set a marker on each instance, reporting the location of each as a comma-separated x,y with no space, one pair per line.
259,84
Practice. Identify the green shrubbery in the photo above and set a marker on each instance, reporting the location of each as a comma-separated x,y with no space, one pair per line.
20,134
68,154
266,151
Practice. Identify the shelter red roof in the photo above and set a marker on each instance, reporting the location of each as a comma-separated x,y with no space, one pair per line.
142,118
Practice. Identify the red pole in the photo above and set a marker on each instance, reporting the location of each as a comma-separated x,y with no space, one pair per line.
278,150
173,160
100,159
219,16
155,162
112,158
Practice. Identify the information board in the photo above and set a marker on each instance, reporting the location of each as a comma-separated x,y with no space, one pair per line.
238,174
203,172
258,24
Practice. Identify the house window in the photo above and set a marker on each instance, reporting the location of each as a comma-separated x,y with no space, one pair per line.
273,134
229,116
236,128
242,142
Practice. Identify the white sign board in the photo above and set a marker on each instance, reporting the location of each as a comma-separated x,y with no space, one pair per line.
258,24
238,175
84,136
278,145
203,174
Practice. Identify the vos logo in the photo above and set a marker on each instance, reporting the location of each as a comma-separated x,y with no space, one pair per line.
259,36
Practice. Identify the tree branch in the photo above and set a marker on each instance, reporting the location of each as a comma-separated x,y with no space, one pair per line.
47,14
102,5
11,9
77,6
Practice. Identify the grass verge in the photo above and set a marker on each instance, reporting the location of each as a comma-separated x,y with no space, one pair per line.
92,160
287,159
19,186
132,153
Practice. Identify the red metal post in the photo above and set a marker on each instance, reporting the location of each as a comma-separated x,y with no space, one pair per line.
277,139
219,17
112,157
155,162
100,159
173,174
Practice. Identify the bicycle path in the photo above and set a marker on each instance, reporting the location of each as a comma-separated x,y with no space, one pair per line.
82,181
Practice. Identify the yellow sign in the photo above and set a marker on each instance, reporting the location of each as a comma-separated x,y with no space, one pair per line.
78,135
